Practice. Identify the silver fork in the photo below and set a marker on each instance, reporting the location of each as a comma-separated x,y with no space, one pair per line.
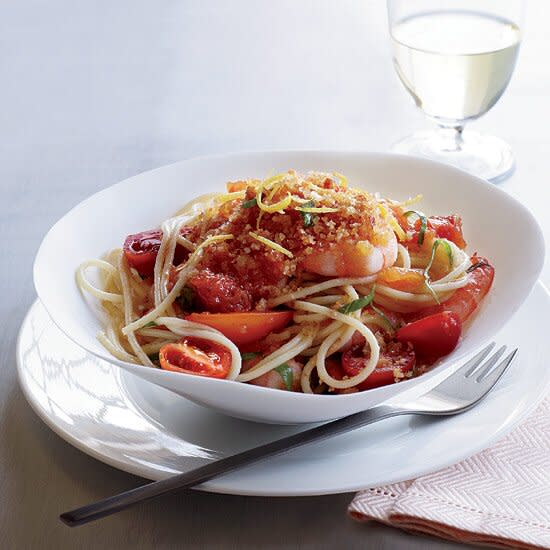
460,391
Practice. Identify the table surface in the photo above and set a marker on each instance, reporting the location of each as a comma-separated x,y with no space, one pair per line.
94,92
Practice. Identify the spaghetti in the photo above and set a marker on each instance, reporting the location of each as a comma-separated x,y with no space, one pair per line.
295,282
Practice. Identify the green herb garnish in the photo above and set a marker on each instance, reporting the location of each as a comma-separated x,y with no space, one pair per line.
445,244
308,218
149,324
426,273
286,373
154,357
248,355
423,224
250,203
385,318
186,299
360,303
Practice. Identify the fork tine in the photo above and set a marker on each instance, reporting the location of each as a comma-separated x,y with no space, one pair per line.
460,392
474,362
490,378
485,368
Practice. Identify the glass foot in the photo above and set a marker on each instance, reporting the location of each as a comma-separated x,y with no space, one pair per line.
485,156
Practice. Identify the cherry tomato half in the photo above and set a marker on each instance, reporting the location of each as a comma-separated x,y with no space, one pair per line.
196,356
334,368
394,357
434,336
244,328
141,251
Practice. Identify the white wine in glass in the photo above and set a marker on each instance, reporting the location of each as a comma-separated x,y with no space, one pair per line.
456,63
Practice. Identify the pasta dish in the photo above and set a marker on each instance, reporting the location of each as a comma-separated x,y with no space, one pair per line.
297,282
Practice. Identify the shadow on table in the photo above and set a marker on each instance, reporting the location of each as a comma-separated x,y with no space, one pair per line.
48,476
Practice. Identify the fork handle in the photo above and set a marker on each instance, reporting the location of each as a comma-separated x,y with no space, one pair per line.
119,502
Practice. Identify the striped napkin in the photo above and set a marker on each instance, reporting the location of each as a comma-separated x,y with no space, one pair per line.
499,497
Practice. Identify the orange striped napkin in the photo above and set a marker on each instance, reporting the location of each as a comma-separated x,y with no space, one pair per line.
499,497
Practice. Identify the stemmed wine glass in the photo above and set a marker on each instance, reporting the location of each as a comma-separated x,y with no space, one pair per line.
455,58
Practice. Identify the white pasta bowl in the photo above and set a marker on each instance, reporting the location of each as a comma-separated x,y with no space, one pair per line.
495,225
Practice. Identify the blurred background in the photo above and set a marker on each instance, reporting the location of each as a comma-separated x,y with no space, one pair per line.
93,92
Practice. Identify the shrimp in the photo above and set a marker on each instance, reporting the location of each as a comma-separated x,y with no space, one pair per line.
466,299
354,259
285,377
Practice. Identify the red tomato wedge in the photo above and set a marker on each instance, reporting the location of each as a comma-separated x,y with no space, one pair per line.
334,368
219,293
244,328
448,227
395,356
434,336
196,356
442,227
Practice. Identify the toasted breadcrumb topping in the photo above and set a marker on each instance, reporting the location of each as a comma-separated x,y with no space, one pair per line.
351,215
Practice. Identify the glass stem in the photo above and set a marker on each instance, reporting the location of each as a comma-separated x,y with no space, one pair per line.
452,137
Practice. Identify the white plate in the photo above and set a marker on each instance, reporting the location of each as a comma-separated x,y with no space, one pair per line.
496,225
143,429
